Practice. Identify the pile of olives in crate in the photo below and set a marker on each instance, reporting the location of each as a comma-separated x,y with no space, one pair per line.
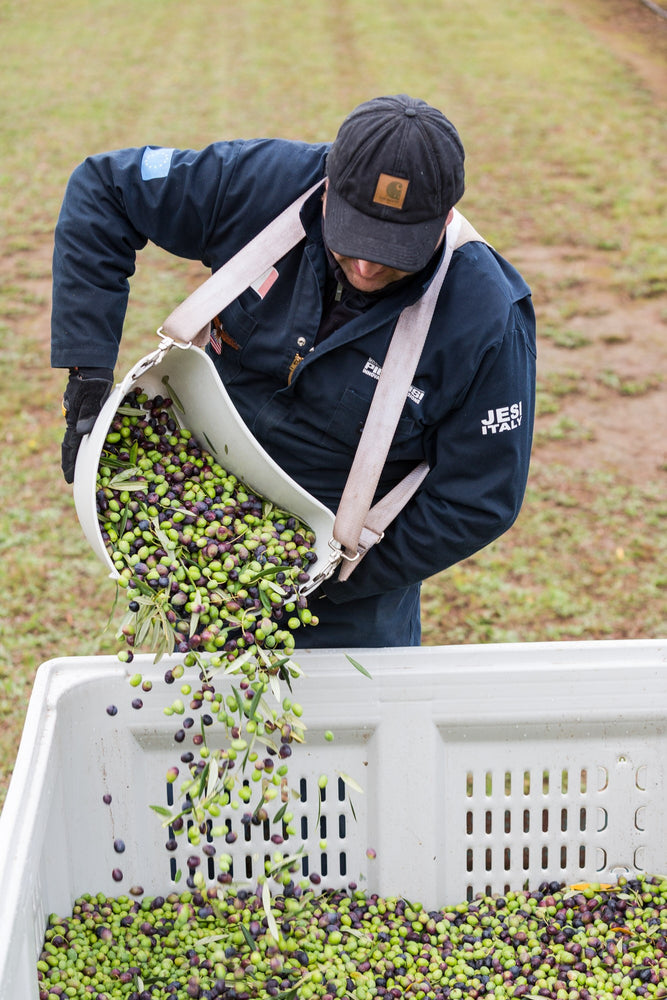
579,943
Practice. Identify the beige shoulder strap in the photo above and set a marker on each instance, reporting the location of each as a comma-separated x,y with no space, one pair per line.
467,232
193,315
358,525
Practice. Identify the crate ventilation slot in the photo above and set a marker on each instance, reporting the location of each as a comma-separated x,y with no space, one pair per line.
527,824
321,823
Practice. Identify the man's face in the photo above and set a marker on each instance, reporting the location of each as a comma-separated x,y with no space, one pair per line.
365,275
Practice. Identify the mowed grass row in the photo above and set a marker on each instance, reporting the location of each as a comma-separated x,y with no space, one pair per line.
563,144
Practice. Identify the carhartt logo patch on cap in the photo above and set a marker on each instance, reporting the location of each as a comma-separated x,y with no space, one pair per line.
391,191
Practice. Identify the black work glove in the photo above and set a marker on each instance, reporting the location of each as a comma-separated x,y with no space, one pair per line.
85,394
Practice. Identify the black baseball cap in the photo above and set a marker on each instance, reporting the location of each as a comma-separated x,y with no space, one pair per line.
395,170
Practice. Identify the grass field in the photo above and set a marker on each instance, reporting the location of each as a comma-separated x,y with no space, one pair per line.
563,118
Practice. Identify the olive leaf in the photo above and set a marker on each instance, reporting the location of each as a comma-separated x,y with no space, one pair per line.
275,686
125,410
266,603
267,742
350,782
203,781
172,393
270,919
281,812
127,484
254,703
358,666
162,811
123,519
248,937
213,778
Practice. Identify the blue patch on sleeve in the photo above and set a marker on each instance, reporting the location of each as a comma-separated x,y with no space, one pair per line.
155,163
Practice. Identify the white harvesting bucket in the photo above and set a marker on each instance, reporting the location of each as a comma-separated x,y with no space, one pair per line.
203,406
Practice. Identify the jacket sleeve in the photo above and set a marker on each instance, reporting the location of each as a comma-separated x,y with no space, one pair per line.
201,205
114,203
479,457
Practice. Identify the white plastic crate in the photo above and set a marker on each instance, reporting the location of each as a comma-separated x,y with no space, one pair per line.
483,768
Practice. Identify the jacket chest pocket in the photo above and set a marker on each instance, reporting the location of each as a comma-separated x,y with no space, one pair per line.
349,417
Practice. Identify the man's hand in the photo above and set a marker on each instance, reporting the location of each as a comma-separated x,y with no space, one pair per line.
85,394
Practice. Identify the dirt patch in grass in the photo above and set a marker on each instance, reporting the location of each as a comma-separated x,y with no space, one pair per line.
603,350
602,356
635,34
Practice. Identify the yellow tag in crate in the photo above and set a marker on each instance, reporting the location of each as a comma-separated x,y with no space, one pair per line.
580,886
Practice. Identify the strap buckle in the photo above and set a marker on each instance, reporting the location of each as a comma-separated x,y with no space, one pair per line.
169,342
337,550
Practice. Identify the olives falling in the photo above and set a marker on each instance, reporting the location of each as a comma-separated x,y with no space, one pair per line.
212,571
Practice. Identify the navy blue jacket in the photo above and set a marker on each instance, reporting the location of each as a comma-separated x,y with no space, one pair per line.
469,412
